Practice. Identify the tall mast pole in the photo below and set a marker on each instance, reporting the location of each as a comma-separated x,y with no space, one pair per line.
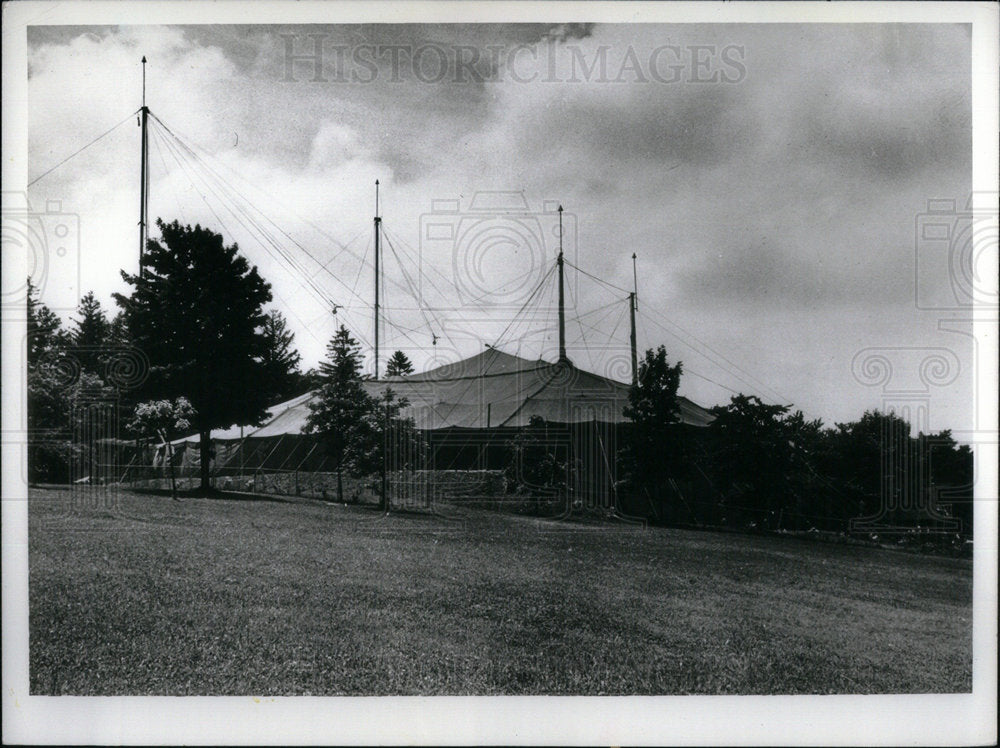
378,251
562,313
143,174
633,304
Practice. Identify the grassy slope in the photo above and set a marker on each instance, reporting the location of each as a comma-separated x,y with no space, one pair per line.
208,596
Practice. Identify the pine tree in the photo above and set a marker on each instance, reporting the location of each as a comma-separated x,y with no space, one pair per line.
281,360
197,314
398,365
90,333
91,329
118,335
45,332
49,386
341,412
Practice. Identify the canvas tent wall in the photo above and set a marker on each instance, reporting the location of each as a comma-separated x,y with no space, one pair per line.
467,412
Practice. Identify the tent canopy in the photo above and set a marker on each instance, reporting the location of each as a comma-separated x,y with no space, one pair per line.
489,390
493,389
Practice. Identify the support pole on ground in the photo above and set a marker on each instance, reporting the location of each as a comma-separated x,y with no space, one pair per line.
633,305
378,252
562,311
143,174
635,359
385,457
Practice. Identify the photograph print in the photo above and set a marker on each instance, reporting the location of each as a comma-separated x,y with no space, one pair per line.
520,358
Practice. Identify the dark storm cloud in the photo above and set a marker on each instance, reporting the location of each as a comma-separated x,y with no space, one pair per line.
784,200
824,167
768,274
891,139
887,102
695,125
413,89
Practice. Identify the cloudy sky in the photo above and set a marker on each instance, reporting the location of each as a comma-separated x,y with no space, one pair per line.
770,178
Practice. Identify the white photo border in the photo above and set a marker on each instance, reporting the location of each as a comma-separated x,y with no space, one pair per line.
694,720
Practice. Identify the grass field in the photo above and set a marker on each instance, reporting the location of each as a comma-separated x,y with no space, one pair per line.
211,596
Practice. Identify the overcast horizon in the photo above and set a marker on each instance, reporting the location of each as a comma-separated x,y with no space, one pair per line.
771,179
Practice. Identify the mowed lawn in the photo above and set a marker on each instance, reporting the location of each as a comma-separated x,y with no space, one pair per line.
211,596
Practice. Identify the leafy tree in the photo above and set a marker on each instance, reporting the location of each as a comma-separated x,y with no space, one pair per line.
752,456
809,493
534,466
856,463
281,360
949,471
163,420
341,412
197,313
398,365
67,416
94,426
882,467
49,448
654,445
68,401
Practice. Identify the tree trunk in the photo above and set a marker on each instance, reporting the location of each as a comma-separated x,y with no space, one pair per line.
383,501
383,493
205,445
340,484
173,478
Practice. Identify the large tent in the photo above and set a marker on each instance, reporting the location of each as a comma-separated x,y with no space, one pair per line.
468,410
492,389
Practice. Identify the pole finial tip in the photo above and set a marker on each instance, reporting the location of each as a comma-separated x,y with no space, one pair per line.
560,209
144,59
